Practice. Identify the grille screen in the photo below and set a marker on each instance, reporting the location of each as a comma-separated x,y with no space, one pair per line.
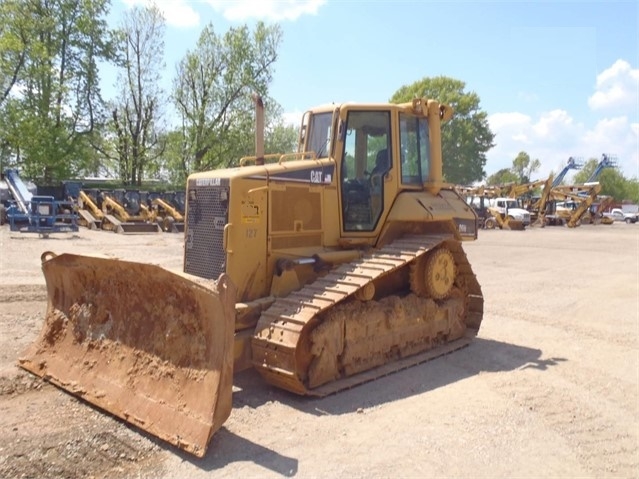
205,220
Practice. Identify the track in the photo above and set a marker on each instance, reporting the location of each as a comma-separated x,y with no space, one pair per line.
322,338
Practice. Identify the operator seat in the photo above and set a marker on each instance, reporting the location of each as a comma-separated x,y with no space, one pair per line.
382,163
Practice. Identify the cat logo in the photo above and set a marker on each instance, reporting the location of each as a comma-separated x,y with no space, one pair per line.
316,176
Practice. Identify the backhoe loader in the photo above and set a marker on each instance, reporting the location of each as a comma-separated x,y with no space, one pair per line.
311,267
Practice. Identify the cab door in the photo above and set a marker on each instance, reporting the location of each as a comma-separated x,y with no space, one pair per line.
366,160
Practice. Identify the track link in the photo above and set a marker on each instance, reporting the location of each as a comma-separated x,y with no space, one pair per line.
283,350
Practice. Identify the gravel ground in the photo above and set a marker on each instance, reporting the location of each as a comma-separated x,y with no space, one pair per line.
550,387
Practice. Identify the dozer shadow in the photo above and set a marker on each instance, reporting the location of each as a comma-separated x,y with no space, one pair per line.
227,448
482,355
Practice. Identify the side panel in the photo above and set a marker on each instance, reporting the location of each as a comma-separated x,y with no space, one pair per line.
246,238
443,212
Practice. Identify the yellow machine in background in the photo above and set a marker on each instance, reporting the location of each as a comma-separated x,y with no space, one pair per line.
117,218
89,213
334,266
572,203
168,216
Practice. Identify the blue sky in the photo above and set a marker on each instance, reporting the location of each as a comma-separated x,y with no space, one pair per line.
556,78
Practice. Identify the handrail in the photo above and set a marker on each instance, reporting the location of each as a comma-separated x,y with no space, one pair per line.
311,155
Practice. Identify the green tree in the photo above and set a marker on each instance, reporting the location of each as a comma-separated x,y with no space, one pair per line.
14,39
212,92
137,113
632,191
524,167
502,177
612,182
56,111
467,137
280,137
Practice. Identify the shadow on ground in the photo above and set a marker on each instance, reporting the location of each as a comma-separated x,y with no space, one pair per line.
482,355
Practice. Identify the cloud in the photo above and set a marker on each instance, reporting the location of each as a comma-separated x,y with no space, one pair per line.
274,10
554,136
293,118
617,88
177,13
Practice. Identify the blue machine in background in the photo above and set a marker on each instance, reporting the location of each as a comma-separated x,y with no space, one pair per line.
30,213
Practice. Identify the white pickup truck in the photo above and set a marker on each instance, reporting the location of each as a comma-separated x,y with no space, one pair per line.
510,207
618,214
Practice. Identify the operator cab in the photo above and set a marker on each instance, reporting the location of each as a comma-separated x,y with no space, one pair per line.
368,160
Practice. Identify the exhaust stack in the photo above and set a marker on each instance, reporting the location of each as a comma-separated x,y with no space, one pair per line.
259,129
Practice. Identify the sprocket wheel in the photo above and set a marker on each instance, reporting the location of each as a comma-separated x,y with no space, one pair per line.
433,275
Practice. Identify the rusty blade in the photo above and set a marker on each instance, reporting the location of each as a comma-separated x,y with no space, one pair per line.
152,347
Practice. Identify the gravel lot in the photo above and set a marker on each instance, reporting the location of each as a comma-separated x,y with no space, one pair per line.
550,388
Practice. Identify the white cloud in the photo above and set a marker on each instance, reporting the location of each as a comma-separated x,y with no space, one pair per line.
274,10
617,88
293,118
555,136
177,13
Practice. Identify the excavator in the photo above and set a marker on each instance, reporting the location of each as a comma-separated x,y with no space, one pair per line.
493,208
535,205
572,203
312,267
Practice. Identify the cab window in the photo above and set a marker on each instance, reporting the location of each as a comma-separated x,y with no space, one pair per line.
414,149
320,134
366,160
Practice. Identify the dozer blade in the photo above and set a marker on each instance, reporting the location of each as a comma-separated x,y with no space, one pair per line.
514,225
152,347
138,227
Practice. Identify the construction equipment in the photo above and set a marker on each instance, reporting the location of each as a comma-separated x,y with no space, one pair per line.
327,276
607,161
506,213
597,209
90,214
502,220
576,199
39,214
126,215
479,198
571,164
536,205
168,216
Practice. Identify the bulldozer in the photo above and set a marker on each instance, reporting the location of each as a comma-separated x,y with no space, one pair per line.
322,269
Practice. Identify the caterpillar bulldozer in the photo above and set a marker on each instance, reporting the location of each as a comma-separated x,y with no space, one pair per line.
321,269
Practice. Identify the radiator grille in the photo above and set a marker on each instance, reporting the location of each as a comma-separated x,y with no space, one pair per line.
206,217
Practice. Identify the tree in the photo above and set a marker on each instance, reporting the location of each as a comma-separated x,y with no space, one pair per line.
53,50
612,182
137,112
502,177
14,38
467,137
212,92
524,167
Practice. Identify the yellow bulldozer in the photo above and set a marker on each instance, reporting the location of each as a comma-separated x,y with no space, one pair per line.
322,269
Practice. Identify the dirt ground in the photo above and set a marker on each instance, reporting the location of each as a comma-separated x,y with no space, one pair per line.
550,388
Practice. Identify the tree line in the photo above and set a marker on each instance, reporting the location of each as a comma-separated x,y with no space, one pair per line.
613,182
55,123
